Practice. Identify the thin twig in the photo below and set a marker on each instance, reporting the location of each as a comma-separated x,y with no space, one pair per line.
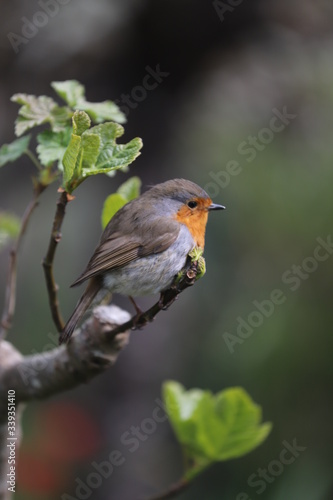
173,491
52,287
10,296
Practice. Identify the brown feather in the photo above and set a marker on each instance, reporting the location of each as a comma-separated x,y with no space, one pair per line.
118,250
88,296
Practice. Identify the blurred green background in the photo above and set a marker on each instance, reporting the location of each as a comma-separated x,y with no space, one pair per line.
228,73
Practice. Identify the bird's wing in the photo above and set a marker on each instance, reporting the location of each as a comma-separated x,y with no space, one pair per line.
117,250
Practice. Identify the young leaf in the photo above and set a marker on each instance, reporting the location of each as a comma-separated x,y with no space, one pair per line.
35,111
70,91
243,420
111,205
112,156
211,427
13,151
9,227
95,151
102,111
126,192
108,132
81,122
71,161
90,148
73,93
130,189
80,151
52,146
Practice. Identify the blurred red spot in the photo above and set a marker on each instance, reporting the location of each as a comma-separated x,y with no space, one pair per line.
35,475
62,433
66,432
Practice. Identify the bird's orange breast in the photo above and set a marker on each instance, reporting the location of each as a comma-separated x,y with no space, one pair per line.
195,219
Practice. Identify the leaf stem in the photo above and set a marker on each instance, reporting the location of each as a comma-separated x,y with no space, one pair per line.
33,159
10,295
52,287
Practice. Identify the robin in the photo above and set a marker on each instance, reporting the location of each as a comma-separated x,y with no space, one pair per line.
145,244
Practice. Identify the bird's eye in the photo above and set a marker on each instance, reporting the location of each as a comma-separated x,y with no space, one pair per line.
192,204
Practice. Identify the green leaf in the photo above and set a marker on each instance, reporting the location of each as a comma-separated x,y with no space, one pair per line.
52,146
102,111
35,111
211,427
97,151
242,417
126,192
113,156
90,150
111,205
9,227
81,122
81,151
108,133
73,92
13,151
70,91
72,160
60,118
130,189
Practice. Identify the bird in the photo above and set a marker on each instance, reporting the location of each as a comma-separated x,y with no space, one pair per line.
145,244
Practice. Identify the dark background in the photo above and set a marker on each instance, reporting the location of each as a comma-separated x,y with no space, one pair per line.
227,74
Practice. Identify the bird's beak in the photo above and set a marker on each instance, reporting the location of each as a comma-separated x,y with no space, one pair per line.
214,206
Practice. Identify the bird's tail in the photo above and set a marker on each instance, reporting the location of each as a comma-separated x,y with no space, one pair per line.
87,297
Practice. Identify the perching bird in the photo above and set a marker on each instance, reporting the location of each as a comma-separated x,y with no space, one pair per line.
145,244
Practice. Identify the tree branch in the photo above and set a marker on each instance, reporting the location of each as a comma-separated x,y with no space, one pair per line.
10,296
173,491
91,351
52,287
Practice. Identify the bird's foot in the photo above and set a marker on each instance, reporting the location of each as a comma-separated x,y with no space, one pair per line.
139,320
